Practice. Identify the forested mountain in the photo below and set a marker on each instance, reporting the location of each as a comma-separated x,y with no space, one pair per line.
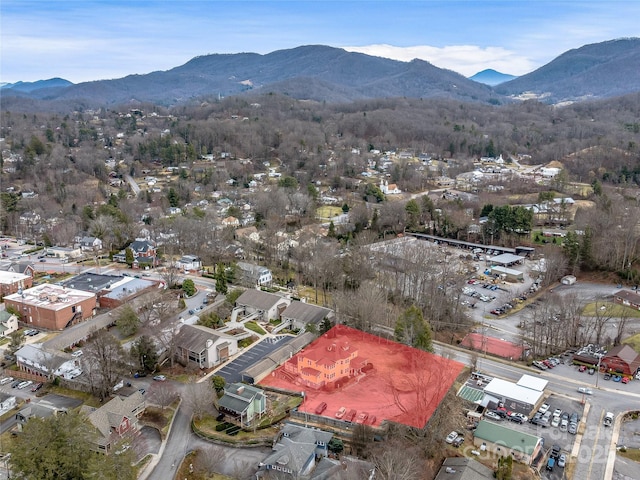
606,69
309,72
334,75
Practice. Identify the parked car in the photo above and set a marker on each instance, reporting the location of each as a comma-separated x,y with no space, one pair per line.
142,391
493,415
451,437
37,387
515,419
25,384
551,463
616,378
77,353
539,365
564,425
159,378
6,380
573,428
573,418
544,408
562,459
555,451
557,412
362,417
16,383
523,418
582,368
555,422
607,376
625,380
585,391
458,441
341,412
321,408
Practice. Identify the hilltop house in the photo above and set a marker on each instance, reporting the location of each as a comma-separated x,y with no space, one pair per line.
144,253
252,275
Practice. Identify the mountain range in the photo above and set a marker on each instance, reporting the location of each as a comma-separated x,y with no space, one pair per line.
331,75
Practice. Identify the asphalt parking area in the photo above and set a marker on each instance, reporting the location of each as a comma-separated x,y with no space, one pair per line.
231,372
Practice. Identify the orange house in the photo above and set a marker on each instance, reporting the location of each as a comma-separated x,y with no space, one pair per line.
328,363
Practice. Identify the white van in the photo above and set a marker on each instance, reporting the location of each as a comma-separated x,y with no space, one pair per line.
6,380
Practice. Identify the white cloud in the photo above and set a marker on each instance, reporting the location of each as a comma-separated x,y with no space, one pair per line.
464,59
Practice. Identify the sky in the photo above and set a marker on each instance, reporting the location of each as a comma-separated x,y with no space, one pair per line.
84,40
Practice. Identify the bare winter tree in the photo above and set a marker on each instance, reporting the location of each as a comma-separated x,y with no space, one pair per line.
398,461
163,394
105,362
199,397
210,460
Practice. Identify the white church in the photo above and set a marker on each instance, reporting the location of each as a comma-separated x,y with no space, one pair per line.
389,188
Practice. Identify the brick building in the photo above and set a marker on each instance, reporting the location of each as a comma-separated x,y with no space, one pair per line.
52,307
11,282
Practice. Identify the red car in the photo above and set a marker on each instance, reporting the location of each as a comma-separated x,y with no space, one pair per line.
582,368
625,380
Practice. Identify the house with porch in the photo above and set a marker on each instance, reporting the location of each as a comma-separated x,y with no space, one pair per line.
268,306
244,402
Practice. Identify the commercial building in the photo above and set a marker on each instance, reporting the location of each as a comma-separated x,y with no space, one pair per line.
504,441
11,282
52,307
522,396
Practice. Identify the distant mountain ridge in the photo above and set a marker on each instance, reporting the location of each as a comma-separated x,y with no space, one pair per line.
38,85
605,69
328,74
491,77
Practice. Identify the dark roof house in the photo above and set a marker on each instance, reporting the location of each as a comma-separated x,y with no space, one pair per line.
243,401
462,468
300,314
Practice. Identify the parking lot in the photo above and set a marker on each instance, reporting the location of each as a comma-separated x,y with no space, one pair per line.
231,372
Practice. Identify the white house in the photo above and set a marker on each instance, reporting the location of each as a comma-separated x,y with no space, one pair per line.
268,305
389,188
90,244
189,262
8,323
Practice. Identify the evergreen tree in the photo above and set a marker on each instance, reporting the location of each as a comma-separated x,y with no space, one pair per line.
411,329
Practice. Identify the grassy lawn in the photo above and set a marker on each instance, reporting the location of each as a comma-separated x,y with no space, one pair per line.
310,293
631,454
611,310
86,397
328,211
633,341
254,327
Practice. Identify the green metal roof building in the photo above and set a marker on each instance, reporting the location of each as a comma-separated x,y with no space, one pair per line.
505,441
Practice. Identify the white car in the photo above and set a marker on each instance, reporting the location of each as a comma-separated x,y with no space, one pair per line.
585,391
6,380
77,353
493,416
562,460
522,416
451,437
555,422
564,425
25,384
544,408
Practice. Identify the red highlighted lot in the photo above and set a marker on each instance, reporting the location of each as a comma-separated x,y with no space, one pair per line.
367,379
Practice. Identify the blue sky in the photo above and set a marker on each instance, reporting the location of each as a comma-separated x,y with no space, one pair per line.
83,40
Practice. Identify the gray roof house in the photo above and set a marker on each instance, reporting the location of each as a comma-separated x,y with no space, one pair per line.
268,305
34,358
115,419
462,468
252,275
203,346
300,314
295,450
243,401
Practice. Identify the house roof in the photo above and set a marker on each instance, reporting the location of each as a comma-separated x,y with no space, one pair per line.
258,299
305,313
34,355
629,296
513,439
625,353
238,396
295,446
194,337
534,383
141,246
111,413
462,468
4,316
278,356
50,296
